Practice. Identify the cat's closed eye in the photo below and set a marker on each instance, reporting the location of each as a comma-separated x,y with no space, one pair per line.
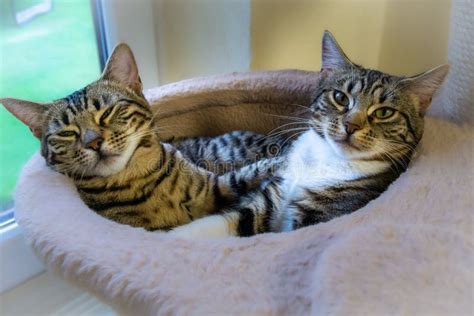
107,113
67,134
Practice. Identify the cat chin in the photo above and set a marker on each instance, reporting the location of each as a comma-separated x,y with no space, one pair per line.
105,169
348,151
113,164
110,165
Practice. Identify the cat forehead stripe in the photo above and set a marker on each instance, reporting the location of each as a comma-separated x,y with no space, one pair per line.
77,99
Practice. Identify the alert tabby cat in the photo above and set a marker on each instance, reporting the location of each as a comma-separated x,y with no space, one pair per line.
363,128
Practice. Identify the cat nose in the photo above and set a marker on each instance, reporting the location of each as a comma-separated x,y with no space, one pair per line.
92,139
351,127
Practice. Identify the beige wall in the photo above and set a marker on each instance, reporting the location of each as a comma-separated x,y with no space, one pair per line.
397,36
201,37
204,37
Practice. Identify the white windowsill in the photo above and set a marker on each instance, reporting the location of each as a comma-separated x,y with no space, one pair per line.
17,261
46,294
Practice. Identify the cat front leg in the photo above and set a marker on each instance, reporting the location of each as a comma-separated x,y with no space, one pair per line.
254,214
214,226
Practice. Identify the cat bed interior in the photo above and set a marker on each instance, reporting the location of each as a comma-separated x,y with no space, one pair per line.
407,252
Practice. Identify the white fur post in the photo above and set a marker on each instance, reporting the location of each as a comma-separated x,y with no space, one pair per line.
457,98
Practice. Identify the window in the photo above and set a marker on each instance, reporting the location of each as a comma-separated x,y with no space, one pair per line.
48,49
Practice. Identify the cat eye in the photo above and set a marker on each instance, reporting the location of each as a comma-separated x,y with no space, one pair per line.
105,115
341,98
67,134
384,113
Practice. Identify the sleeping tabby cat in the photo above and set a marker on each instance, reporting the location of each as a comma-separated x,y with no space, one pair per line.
364,126
104,138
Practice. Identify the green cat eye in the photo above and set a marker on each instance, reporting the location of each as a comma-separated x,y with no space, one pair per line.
341,98
384,113
67,134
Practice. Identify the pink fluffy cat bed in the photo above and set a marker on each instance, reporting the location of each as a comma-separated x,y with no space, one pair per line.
407,252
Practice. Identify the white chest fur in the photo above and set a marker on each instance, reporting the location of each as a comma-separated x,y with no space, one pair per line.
314,164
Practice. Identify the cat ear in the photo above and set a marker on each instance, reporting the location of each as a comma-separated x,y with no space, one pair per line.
422,87
332,55
30,113
122,68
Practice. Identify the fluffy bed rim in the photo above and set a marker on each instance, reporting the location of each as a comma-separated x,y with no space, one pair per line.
409,251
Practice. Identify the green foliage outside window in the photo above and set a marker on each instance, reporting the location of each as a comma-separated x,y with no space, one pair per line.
44,58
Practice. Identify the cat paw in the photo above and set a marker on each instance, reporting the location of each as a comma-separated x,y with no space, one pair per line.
204,228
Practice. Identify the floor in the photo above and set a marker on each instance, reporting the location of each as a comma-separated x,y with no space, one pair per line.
46,294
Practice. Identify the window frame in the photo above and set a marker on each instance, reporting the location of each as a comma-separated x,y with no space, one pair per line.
101,35
18,262
117,16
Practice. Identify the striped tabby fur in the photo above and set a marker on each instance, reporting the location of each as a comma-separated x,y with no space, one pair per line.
104,138
231,151
363,128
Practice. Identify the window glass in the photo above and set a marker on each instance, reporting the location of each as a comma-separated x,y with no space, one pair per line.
48,49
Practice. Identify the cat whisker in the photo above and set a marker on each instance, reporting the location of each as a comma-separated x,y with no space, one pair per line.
283,126
302,106
290,118
291,137
395,161
276,134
